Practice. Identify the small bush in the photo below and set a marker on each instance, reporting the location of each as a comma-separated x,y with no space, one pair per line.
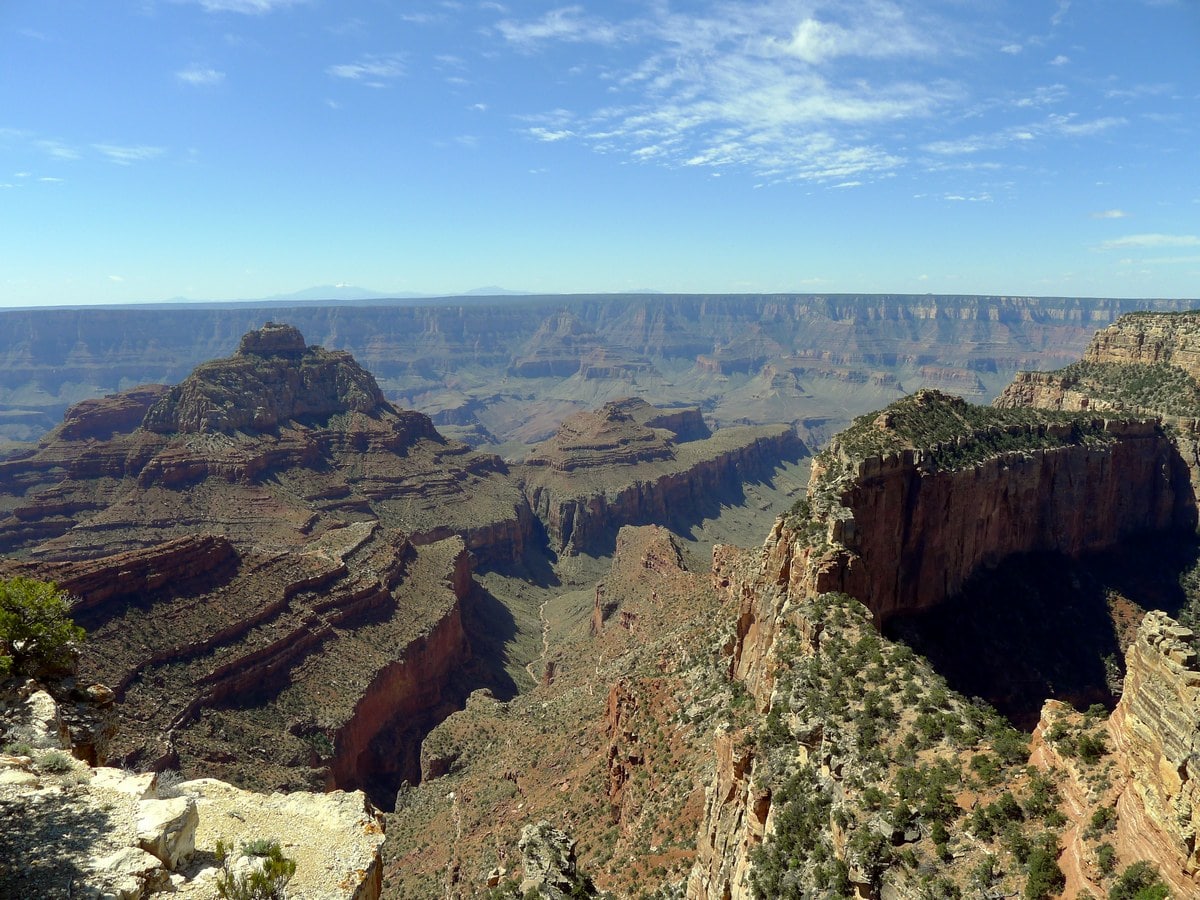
1045,879
55,761
266,881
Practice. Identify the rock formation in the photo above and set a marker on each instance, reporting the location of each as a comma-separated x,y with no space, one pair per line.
69,829
274,536
1155,730
573,353
632,464
905,525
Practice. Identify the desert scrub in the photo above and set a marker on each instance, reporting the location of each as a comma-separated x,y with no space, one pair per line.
954,434
263,877
1159,388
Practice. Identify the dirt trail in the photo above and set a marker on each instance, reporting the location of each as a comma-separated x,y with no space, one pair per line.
545,643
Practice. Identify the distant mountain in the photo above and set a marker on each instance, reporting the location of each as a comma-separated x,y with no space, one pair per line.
341,292
493,291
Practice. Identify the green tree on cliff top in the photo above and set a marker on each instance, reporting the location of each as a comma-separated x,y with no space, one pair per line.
35,628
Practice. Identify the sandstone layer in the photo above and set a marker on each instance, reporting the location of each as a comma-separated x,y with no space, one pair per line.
906,527
838,355
631,464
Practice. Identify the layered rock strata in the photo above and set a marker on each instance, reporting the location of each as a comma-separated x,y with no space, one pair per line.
578,349
905,528
631,464
1155,731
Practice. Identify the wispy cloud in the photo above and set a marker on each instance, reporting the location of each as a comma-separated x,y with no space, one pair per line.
200,76
370,69
1151,240
246,7
750,85
1060,60
568,23
58,150
1109,214
124,155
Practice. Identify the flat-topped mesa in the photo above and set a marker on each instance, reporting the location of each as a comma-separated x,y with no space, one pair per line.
907,504
273,378
619,433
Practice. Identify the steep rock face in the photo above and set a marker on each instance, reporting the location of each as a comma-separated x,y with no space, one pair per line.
906,527
679,482
1155,730
1148,339
272,581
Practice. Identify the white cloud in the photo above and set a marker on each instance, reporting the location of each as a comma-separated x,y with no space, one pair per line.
200,77
1012,49
57,150
1152,240
568,23
1109,214
126,155
815,41
22,174
545,134
48,179
116,278
246,7
370,68
1060,60
478,107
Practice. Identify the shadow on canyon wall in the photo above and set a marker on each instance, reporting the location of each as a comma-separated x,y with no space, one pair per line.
1043,625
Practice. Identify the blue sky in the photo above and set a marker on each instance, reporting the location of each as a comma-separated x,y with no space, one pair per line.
220,149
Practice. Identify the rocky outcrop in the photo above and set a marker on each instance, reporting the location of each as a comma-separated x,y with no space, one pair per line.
735,821
904,530
548,860
1155,731
69,830
286,379
1147,339
626,466
263,445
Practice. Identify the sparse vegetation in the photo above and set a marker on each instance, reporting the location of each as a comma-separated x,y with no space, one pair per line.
1158,388
264,875
954,434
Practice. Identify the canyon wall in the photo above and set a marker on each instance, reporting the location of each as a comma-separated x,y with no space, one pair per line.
903,530
585,348
1154,731
584,515
907,538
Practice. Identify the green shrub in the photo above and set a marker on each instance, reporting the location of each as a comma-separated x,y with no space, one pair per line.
55,761
1139,881
1045,879
35,629
269,882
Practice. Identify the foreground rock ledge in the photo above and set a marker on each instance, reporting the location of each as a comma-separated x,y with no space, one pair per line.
79,834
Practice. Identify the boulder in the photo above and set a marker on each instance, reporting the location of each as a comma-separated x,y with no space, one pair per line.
127,874
167,829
